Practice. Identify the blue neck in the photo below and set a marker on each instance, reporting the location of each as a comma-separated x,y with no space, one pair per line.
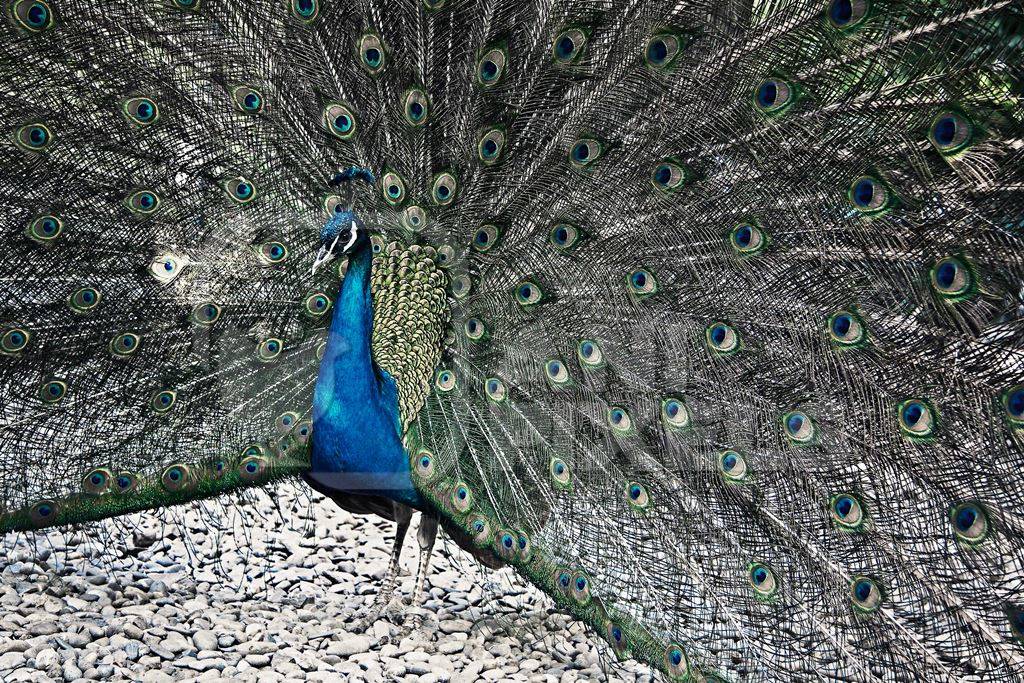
357,440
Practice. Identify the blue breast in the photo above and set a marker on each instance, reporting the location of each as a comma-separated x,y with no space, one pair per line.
357,445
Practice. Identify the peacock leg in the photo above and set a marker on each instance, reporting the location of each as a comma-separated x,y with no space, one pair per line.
426,536
403,517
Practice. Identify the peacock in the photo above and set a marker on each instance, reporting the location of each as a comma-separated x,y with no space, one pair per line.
704,316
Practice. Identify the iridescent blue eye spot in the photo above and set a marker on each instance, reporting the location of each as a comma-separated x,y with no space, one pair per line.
482,237
841,325
96,479
219,465
676,656
657,51
581,583
581,151
416,110
373,57
273,346
864,192
841,12
729,462
492,386
88,296
617,416
305,7
760,574
616,633
663,174
276,251
843,506
174,474
507,541
251,101
1015,403
37,15
944,130
343,123
251,467
243,190
794,423
966,517
565,47
488,70
144,110
561,235
478,526
588,350
559,468
128,341
462,493
146,200
672,408
525,291
44,510
37,135
945,274
767,94
425,461
123,482
743,235
522,543
639,279
718,334
863,590
490,148
563,580
635,491
912,413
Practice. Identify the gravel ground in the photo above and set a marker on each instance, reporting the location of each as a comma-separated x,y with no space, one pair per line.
268,595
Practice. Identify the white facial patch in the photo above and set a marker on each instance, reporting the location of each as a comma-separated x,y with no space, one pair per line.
351,238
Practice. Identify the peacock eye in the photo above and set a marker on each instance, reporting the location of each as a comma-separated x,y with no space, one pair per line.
491,67
317,304
176,477
248,100
668,176
799,428
371,53
847,511
462,497
950,132
14,340
415,106
676,663
614,634
163,401
869,195
252,468
271,253
589,353
556,372
865,594
188,5
34,137
444,380
846,328
393,188
32,15
53,390
722,338
84,299
568,45
952,278
206,313
143,202
641,283
916,417
340,120
125,344
166,267
732,465
773,95
424,465
970,523
564,236
1013,404
762,579
585,152
662,49
636,496
847,14
97,482
142,111
414,218
474,329
495,389
462,285
269,349
580,587
674,413
490,146
305,10
443,189
528,293
485,238
559,471
44,229
619,420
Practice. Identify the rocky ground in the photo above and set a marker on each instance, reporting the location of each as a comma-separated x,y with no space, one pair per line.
267,595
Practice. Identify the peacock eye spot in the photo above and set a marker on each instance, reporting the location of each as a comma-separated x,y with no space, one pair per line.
635,492
965,518
251,467
794,423
718,333
373,56
581,583
488,70
1015,403
743,235
123,482
507,541
862,590
565,47
676,656
657,51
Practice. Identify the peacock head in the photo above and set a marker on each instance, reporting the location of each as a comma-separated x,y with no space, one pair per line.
344,233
